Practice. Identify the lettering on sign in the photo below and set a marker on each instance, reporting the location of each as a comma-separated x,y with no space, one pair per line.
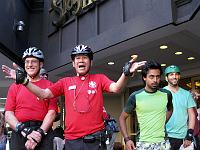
65,9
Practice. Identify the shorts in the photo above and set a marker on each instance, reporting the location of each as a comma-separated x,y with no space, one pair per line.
165,145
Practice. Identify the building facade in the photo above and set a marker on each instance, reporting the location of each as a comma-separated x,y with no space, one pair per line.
114,29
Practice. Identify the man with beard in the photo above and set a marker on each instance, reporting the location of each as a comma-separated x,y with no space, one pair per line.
180,126
153,108
84,124
30,119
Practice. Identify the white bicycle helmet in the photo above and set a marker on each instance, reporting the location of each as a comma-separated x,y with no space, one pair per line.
82,49
35,52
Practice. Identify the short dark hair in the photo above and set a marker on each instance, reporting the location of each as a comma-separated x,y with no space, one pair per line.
150,65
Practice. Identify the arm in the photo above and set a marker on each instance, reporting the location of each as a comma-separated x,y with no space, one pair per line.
122,122
192,116
169,107
11,74
40,93
191,123
115,87
168,115
35,137
46,125
11,119
48,120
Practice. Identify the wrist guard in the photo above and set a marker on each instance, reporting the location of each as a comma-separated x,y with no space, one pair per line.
19,127
41,131
126,69
189,135
27,131
21,77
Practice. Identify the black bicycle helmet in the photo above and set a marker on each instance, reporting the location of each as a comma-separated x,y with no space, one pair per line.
35,52
82,49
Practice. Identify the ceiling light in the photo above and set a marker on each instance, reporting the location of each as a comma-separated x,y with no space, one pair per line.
178,53
111,63
190,58
163,65
163,47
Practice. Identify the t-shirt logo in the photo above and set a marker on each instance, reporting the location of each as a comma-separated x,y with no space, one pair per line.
93,86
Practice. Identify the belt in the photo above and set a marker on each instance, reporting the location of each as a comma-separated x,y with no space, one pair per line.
99,135
32,123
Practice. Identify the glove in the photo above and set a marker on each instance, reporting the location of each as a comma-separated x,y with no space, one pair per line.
27,131
126,69
189,135
21,77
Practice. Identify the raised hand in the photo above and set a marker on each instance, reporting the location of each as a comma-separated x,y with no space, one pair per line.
131,66
10,73
136,65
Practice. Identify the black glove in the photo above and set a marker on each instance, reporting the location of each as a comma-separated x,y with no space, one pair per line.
189,135
19,127
126,69
27,131
21,77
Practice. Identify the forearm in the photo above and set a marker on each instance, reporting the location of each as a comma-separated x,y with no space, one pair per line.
128,70
11,119
39,92
168,115
122,123
192,119
117,86
48,120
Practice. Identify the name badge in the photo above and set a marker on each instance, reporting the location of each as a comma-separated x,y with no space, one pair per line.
72,87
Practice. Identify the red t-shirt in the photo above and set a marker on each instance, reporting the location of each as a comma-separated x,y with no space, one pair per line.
25,105
82,93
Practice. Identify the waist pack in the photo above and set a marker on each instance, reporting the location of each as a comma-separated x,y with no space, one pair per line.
100,135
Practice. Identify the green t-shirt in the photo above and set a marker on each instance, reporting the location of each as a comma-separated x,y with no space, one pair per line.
151,113
177,125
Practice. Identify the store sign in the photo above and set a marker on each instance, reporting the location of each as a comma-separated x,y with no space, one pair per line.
65,9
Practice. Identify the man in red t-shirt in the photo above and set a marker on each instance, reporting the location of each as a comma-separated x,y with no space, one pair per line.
30,118
84,124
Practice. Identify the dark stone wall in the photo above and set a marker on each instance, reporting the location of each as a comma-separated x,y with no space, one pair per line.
11,13
103,26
